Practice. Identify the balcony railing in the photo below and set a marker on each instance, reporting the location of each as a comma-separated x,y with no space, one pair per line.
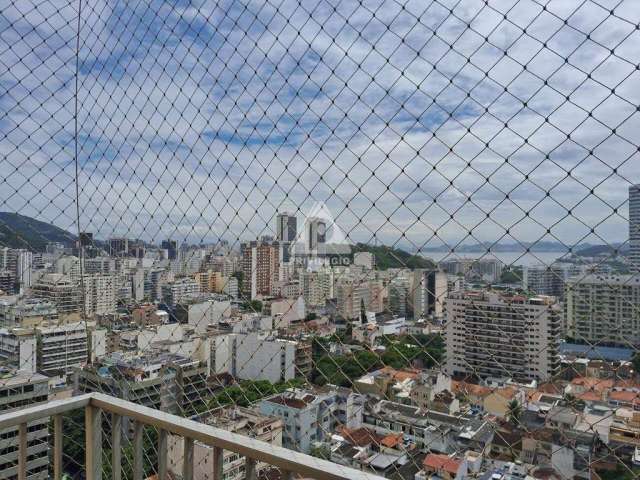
290,463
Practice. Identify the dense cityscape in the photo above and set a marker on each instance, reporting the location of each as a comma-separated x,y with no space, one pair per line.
320,240
367,356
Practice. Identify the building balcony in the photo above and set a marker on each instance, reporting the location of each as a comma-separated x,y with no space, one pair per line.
99,407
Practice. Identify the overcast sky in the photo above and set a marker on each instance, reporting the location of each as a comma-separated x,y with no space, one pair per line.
415,122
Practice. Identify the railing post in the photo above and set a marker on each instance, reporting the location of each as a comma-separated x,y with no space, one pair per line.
162,454
250,469
57,447
218,463
138,431
93,442
22,451
187,465
286,474
116,446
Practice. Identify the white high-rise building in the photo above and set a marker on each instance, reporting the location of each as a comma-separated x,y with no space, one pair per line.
351,296
254,356
603,309
428,292
19,262
489,334
60,290
179,290
634,227
19,390
100,294
400,295
315,233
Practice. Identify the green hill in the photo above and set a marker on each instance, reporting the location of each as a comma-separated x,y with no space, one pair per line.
389,257
19,231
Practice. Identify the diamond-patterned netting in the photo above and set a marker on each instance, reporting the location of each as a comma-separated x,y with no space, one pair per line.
405,235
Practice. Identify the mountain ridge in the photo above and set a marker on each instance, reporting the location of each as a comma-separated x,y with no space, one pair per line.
20,231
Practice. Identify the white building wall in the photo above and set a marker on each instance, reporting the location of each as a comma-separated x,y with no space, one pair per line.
211,312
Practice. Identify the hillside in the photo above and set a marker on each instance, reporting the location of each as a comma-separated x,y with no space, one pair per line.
19,231
605,250
389,257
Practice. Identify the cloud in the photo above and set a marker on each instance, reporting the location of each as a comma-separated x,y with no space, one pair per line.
414,122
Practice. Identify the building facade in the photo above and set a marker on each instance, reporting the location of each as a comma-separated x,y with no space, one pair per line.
603,309
242,421
489,334
18,390
634,227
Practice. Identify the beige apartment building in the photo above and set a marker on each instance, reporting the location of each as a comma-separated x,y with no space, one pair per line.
491,334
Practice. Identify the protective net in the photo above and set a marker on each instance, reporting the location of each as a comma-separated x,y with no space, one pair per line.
401,236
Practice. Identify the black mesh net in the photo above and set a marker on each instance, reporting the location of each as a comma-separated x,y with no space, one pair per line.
401,236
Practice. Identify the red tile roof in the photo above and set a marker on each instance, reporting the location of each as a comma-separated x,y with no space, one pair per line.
437,462
392,440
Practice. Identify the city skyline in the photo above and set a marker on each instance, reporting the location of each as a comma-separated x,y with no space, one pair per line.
330,239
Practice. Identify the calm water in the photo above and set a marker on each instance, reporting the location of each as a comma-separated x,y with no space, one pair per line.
508,258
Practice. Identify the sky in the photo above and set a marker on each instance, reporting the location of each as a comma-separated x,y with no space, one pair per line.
416,122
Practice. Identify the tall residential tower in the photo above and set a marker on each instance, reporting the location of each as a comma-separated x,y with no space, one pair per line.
287,227
634,227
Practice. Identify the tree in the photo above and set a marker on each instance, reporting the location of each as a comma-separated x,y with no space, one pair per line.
514,411
253,305
635,361
320,450
571,401
511,275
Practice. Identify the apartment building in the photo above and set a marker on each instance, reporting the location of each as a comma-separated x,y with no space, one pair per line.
27,312
100,293
400,295
634,227
487,269
18,349
255,356
19,263
260,267
317,287
351,296
179,290
62,348
18,390
154,279
603,309
312,416
493,334
169,382
428,292
51,350
234,419
427,429
60,290
200,313
212,281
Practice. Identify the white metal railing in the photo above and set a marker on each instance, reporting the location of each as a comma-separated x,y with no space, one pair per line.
96,404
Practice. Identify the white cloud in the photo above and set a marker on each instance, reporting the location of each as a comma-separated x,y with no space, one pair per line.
192,114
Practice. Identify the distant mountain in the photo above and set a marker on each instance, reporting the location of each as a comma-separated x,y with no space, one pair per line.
390,257
19,231
607,250
543,246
